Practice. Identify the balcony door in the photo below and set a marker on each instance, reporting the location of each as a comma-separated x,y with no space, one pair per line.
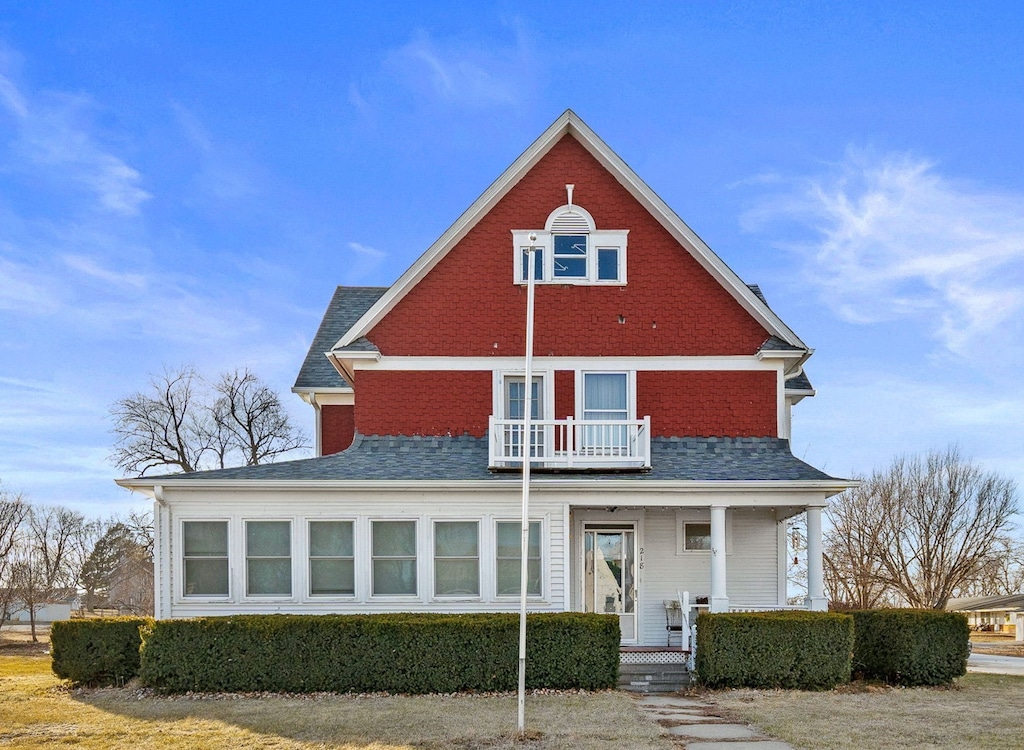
514,404
609,574
605,399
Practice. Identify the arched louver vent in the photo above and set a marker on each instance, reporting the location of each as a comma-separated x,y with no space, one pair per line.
571,221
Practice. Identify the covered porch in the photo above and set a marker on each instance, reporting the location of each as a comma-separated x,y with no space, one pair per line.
656,567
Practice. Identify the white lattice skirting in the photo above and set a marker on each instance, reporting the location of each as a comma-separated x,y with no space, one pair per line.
652,657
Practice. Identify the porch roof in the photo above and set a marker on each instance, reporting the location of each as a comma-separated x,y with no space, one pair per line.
410,458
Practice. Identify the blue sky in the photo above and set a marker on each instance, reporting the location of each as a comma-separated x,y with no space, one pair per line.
187,182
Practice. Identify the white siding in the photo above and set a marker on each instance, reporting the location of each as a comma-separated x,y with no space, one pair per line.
751,561
361,507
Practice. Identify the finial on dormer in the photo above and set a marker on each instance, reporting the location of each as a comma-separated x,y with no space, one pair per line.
568,189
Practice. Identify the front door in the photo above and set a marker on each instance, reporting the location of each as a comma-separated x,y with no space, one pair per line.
609,574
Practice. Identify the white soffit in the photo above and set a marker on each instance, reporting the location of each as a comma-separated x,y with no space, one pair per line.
570,123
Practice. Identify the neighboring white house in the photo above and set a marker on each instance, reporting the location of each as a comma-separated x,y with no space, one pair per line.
661,396
998,614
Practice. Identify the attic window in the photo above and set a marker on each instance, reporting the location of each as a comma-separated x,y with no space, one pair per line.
571,250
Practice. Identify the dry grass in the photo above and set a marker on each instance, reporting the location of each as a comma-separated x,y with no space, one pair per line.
982,710
37,711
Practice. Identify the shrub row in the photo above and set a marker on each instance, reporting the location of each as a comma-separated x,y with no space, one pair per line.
399,653
910,646
806,650
97,652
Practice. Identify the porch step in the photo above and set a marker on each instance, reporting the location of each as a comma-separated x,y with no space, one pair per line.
653,678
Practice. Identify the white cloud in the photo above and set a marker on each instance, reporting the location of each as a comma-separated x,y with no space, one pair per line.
361,262
12,99
893,239
468,73
24,290
91,268
52,138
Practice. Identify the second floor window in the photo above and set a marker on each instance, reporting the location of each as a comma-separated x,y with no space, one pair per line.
571,250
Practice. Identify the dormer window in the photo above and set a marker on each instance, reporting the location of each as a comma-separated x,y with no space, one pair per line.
571,250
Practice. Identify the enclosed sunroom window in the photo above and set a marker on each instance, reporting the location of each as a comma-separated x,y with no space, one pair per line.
456,558
268,558
205,553
331,558
394,558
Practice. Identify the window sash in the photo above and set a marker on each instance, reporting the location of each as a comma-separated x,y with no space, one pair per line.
205,570
696,536
393,558
268,560
456,558
508,549
331,558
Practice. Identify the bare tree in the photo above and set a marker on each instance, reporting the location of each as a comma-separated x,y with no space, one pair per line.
852,549
184,423
49,557
1002,574
917,532
13,510
249,415
166,427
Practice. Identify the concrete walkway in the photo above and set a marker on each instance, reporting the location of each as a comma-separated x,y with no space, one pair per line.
694,724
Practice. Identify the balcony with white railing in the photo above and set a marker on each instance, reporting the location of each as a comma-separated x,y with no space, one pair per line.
572,444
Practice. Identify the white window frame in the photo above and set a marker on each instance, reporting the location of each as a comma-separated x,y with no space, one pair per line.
699,515
544,564
480,548
580,397
370,557
596,240
309,559
292,546
547,391
181,557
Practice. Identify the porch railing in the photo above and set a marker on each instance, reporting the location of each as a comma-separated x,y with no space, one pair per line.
573,443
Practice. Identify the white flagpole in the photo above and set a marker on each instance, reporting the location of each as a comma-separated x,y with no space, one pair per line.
525,452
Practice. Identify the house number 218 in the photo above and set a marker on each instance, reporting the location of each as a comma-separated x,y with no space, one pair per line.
641,558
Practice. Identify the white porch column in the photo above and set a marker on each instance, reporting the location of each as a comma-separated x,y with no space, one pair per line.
1018,621
815,568
719,600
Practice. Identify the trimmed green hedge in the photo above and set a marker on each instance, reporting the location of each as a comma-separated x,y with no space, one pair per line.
804,650
97,652
910,646
398,653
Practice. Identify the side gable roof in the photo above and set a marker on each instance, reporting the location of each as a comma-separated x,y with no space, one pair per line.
347,304
570,124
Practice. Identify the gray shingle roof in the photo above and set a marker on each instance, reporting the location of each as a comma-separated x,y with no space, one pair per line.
775,344
799,383
384,457
756,289
347,305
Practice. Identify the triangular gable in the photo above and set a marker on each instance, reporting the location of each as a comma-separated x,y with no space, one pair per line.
570,123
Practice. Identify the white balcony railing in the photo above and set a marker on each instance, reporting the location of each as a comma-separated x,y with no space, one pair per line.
573,443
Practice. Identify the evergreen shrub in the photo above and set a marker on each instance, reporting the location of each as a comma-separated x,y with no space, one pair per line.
396,653
97,652
910,646
787,649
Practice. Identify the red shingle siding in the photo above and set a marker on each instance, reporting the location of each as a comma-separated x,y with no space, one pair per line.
393,402
468,304
337,428
709,404
565,394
